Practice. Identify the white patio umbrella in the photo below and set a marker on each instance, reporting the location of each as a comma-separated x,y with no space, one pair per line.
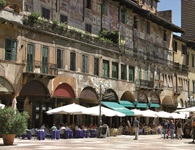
137,112
72,109
95,111
163,114
189,109
149,113
177,116
2,106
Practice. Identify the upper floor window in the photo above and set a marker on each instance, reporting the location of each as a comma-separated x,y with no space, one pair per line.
184,49
88,28
192,61
151,76
72,61
174,46
123,72
114,70
88,4
131,73
193,84
30,57
10,49
105,7
148,27
45,59
135,22
165,35
63,19
60,58
187,59
85,64
106,68
45,13
96,66
124,16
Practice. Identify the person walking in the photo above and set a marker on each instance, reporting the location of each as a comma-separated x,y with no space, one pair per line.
179,129
172,128
136,127
165,125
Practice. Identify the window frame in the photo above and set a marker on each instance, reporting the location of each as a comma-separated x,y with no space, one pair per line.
10,49
123,72
106,68
45,13
85,63
72,61
115,72
60,61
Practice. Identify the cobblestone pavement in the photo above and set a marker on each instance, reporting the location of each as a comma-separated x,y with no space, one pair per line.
122,142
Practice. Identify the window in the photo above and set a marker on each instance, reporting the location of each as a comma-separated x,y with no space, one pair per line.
165,35
88,4
192,61
85,64
143,1
148,27
145,74
59,58
138,73
105,7
193,82
72,61
63,19
10,49
96,66
105,68
124,16
30,57
131,73
175,46
135,22
45,57
151,76
123,72
88,28
184,49
187,59
114,70
45,13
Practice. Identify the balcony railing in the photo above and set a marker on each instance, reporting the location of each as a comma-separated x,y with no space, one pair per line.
144,83
41,67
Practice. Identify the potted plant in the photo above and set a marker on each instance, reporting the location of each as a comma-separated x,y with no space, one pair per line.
12,123
2,4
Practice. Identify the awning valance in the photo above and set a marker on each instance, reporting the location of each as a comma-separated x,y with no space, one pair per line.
153,105
141,105
126,103
119,108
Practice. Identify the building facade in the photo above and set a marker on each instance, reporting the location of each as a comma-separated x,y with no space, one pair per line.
187,18
94,51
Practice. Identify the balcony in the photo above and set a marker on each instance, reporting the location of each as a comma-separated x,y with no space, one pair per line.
144,84
39,69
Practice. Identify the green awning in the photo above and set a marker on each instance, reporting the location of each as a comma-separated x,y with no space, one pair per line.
141,105
119,108
153,105
126,103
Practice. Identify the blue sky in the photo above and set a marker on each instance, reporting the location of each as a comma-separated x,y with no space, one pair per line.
175,6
